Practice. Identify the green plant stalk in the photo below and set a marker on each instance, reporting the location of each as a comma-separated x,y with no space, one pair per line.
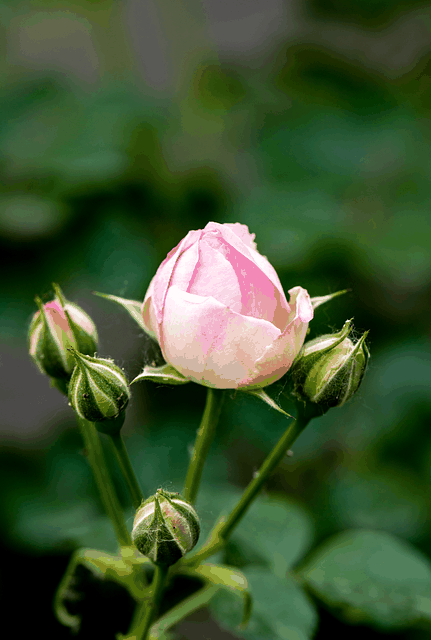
127,470
204,438
148,611
224,528
103,480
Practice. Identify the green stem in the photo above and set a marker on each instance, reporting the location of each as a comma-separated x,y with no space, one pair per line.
103,480
203,442
127,470
224,528
150,611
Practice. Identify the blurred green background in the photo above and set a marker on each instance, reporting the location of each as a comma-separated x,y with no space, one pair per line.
127,123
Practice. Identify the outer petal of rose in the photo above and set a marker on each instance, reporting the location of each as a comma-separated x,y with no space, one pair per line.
214,276
242,232
279,356
259,296
211,344
164,274
148,314
263,263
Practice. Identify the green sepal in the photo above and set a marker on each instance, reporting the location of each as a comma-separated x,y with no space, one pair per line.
262,395
98,391
60,384
319,300
133,307
52,358
85,343
124,568
166,374
165,528
111,426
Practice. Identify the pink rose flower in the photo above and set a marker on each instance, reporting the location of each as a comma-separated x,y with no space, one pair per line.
219,313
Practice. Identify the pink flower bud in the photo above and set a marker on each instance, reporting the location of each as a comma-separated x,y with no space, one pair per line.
219,312
57,326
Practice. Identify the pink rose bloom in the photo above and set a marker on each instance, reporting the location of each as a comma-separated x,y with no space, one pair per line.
219,313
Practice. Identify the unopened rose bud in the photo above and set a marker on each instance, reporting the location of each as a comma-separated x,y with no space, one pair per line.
99,392
219,312
330,369
165,528
57,326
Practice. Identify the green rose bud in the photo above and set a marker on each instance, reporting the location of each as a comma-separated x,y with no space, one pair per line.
57,326
99,392
330,369
165,528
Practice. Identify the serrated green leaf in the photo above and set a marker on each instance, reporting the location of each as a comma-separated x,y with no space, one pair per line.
227,578
163,375
386,497
120,568
319,300
371,577
133,307
262,395
281,610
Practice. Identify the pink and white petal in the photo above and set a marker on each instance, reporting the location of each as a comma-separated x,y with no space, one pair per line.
249,252
211,344
242,232
258,297
164,273
214,276
186,266
279,356
148,314
300,303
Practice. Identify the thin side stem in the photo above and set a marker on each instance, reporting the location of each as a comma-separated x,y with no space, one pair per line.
224,529
127,470
158,586
204,438
103,480
267,468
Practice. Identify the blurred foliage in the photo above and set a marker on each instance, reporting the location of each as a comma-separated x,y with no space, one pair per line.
367,12
326,159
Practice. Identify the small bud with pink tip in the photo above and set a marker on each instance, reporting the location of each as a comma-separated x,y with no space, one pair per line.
57,326
166,527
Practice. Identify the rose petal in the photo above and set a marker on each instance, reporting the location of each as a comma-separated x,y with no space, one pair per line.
258,296
261,261
214,276
148,314
242,232
211,344
57,320
301,304
279,356
164,273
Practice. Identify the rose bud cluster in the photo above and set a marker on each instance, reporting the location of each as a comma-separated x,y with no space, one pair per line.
330,369
219,313
166,527
56,327
99,392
